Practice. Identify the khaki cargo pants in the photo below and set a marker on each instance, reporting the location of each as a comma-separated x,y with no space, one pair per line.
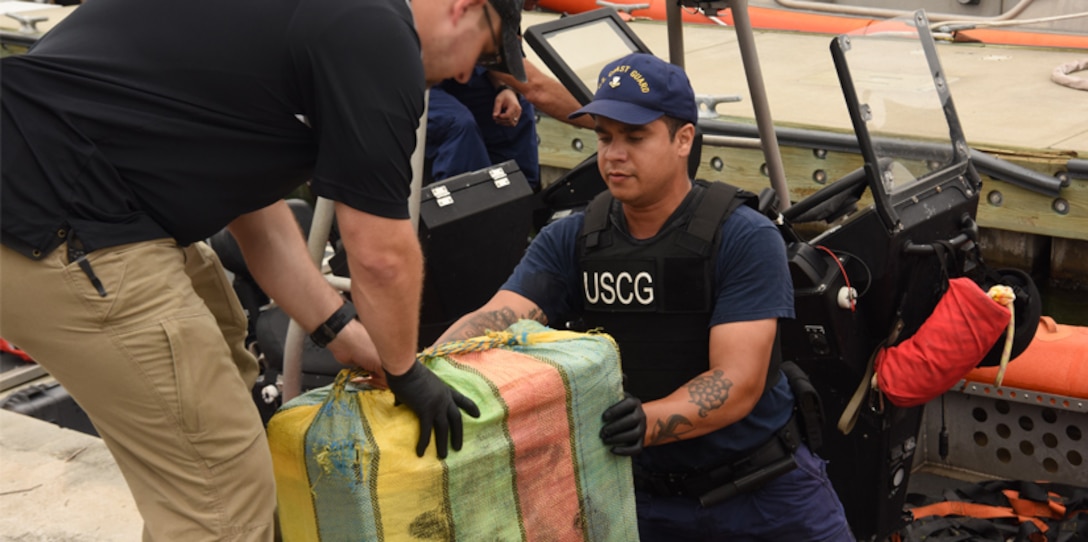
160,367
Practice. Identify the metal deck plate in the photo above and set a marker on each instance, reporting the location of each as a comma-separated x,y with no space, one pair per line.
1014,434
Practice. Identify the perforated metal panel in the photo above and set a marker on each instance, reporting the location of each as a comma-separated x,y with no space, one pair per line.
1010,434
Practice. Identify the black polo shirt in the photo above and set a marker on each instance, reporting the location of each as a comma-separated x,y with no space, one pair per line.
141,119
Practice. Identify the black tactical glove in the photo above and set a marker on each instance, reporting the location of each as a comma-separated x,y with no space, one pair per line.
624,426
436,404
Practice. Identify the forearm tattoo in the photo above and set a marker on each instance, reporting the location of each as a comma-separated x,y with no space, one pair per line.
709,392
496,320
670,429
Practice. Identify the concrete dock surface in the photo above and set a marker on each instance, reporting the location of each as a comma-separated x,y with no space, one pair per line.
59,485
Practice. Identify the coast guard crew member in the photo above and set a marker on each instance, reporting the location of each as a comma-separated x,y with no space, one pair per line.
691,283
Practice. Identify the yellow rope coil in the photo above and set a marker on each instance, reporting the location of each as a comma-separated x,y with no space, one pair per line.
1004,296
498,339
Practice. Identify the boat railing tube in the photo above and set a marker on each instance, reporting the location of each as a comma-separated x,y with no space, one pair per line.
1077,168
796,137
852,180
1014,174
837,142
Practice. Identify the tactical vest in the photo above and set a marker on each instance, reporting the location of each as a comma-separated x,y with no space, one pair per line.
656,298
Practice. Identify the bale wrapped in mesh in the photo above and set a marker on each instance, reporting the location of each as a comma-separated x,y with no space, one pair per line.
533,466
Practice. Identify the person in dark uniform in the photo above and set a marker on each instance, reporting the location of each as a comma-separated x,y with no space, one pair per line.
476,124
691,283
134,130
491,119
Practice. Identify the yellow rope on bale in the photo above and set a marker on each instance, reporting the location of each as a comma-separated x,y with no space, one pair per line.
498,339
1004,295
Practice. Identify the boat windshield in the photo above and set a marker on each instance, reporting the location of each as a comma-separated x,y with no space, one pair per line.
900,101
577,47
608,44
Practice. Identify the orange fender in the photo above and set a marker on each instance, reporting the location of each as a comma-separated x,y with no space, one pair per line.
1056,362
799,21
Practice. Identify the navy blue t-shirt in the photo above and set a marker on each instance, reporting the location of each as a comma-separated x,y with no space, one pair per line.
752,282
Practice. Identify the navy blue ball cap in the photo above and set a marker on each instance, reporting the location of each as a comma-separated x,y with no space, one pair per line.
641,88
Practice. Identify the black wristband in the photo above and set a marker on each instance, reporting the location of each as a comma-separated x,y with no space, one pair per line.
326,332
501,88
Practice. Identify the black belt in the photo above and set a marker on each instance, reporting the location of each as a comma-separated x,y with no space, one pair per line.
711,486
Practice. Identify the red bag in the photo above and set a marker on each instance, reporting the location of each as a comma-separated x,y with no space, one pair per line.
963,327
9,348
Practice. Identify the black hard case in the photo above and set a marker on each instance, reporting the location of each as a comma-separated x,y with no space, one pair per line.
474,229
51,403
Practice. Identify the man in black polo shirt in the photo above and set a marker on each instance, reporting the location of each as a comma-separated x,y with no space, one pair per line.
136,129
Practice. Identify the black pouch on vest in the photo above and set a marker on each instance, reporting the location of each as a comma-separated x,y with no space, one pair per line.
810,409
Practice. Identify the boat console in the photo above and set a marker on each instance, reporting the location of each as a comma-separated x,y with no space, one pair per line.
878,268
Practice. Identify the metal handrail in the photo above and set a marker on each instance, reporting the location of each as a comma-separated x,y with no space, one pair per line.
756,88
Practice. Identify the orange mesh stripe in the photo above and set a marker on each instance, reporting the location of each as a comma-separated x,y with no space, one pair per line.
546,481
